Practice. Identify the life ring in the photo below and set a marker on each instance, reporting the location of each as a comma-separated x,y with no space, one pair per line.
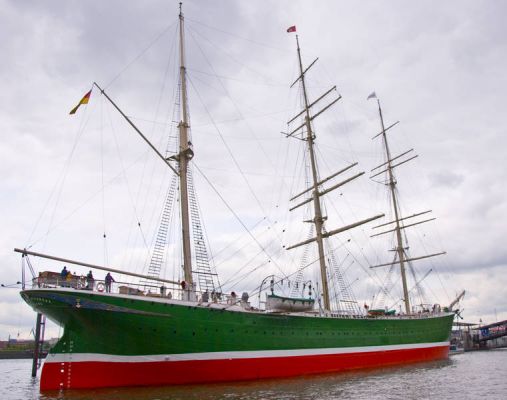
100,287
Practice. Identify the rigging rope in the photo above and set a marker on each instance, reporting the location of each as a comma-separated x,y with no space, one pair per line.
105,255
237,217
150,44
125,177
58,187
247,125
238,37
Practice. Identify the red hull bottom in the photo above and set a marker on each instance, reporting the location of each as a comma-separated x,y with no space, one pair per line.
93,374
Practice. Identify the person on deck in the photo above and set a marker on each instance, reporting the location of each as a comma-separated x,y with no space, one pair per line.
109,279
184,295
63,275
89,281
68,279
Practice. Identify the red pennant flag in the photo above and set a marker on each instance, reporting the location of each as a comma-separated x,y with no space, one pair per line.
84,100
291,29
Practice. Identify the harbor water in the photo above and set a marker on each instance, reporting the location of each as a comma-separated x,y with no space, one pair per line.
473,375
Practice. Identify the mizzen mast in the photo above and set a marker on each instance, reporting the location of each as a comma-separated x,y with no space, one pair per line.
401,247
392,187
183,157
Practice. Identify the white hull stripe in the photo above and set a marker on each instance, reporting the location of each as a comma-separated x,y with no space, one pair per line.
229,355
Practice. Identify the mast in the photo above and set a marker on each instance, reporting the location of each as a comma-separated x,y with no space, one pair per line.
388,166
317,184
392,186
183,157
317,220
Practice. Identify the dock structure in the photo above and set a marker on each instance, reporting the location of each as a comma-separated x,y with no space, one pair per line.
461,337
489,335
475,336
39,341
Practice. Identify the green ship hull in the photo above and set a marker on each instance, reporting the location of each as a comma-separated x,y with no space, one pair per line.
118,340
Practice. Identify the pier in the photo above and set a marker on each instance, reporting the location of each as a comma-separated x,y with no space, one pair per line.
491,335
472,336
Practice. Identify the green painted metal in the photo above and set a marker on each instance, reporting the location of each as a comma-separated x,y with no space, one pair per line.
135,325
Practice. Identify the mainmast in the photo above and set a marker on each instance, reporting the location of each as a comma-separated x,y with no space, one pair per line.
392,187
183,157
315,189
317,220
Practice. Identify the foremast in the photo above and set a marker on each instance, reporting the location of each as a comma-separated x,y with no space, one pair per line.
183,157
318,218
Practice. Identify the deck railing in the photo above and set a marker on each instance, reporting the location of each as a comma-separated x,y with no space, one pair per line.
55,280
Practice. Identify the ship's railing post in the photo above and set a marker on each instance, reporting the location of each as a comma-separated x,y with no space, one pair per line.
23,272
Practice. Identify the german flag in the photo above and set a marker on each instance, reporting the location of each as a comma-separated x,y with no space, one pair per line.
84,100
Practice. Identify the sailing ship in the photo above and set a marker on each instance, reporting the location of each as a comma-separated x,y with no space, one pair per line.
131,337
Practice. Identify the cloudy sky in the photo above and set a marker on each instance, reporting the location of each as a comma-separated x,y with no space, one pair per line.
438,68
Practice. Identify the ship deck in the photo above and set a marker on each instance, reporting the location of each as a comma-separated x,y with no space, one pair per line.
230,304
